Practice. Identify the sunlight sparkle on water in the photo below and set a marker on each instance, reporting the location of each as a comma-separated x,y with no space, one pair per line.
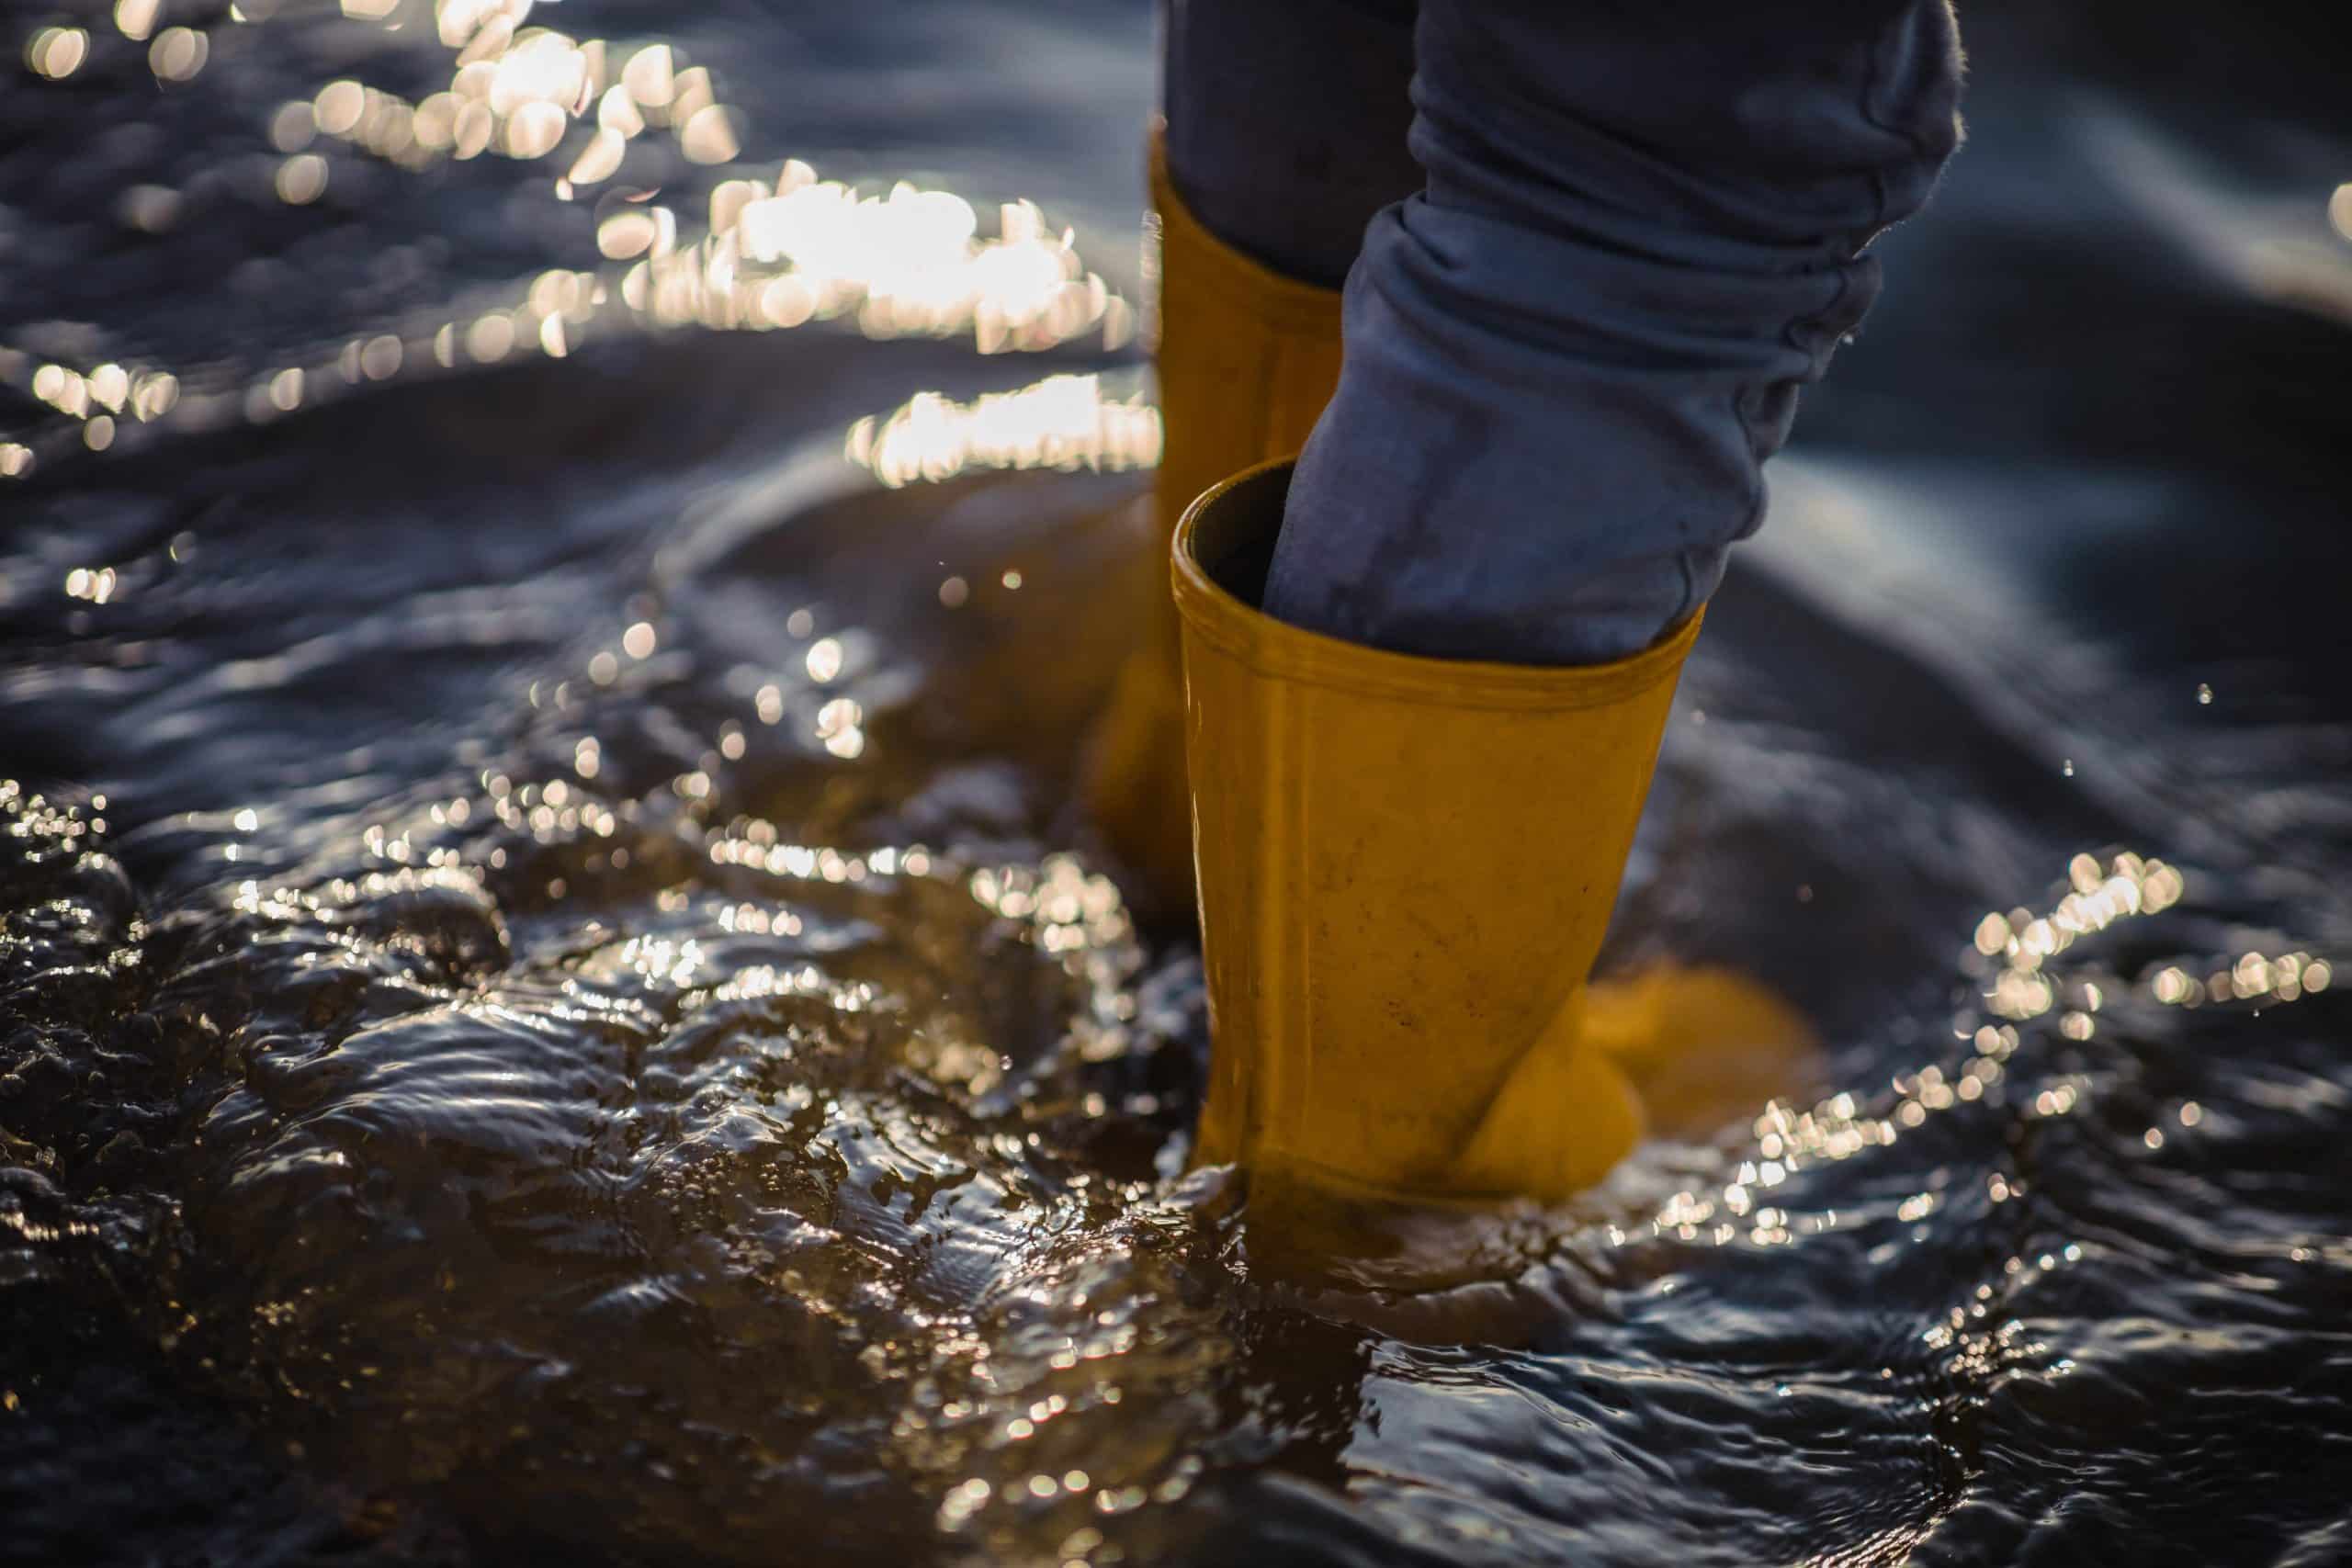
57,53
778,252
2100,893
1063,421
135,19
178,53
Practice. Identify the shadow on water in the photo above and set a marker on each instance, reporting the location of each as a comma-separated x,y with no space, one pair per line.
553,998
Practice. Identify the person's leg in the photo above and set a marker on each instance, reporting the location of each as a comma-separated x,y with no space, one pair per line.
1566,363
1286,124
1285,127
1567,359
1284,133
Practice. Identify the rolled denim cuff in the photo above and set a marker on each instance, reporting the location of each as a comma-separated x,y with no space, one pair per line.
1569,358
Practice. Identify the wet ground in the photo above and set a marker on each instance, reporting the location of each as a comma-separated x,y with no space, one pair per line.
553,1001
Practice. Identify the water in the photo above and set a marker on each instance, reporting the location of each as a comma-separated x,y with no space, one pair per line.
553,998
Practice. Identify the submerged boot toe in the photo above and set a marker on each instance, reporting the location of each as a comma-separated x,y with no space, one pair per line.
1703,1046
1561,1121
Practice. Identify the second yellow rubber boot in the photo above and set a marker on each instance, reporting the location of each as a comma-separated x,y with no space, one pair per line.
1246,358
1406,867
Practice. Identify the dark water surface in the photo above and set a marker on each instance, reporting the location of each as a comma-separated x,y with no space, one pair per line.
553,1004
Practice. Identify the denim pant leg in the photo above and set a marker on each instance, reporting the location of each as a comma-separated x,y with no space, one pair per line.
1569,355
1287,123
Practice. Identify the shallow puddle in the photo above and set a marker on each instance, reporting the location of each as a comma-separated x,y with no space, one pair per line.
553,997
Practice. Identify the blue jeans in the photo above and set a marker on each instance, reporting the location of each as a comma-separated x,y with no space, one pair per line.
1581,295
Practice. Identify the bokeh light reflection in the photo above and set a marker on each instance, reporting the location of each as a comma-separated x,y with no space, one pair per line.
780,250
1063,423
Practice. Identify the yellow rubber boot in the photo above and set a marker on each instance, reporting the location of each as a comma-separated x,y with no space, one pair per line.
1247,358
1405,869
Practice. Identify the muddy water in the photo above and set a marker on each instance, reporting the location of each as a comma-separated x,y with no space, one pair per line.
553,998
